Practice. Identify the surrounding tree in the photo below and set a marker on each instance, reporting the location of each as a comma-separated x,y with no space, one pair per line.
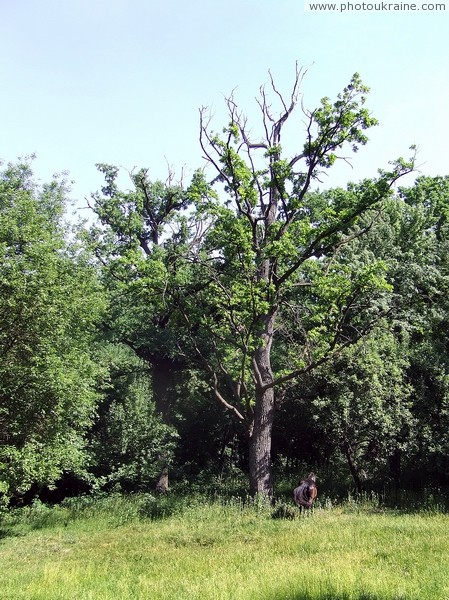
425,322
147,233
382,404
364,406
128,440
50,302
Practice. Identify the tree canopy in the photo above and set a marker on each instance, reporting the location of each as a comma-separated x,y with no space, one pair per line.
50,303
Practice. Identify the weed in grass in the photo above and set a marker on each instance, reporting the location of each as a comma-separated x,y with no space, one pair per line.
284,511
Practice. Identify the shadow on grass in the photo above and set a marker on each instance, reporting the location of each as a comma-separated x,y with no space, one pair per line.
162,507
8,533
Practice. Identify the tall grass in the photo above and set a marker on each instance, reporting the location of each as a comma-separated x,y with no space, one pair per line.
188,548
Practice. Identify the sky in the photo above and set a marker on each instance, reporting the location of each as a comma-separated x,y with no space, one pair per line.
122,81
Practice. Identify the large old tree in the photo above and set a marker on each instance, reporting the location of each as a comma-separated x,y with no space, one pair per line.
277,303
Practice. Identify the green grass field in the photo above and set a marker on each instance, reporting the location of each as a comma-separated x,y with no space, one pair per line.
141,548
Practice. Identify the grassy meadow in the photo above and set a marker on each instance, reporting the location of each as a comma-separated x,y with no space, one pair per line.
186,549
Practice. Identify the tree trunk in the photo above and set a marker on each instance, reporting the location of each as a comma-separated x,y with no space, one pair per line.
163,379
163,374
162,482
394,461
353,467
260,475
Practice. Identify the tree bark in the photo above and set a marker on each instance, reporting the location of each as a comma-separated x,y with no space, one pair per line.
353,467
260,474
162,482
163,372
394,461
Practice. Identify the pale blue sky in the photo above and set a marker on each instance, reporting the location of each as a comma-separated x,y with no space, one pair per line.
121,81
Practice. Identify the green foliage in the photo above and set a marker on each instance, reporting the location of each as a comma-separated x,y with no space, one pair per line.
275,249
343,121
381,406
50,302
146,243
128,442
364,404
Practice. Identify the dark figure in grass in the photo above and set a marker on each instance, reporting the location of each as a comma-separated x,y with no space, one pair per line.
306,492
